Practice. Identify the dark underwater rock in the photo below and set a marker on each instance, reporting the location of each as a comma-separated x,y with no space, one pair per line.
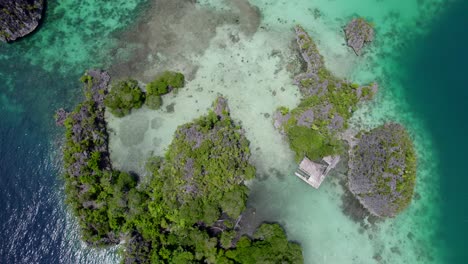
18,18
358,32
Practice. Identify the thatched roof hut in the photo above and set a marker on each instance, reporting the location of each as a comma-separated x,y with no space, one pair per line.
313,173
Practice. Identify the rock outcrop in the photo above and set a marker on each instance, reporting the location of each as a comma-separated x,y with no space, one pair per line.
327,104
18,18
60,116
358,32
86,123
382,170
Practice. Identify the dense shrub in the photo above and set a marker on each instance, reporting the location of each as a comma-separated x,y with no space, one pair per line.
309,142
123,97
164,83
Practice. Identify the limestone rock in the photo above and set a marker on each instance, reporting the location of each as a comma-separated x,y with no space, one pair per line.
18,18
382,170
60,116
358,32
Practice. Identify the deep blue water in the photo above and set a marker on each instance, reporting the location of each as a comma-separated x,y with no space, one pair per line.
437,82
33,226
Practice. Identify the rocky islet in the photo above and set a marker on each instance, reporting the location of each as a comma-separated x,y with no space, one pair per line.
358,32
19,18
382,170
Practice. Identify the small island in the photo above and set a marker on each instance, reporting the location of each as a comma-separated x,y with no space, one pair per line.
19,18
382,171
358,32
382,165
188,211
314,128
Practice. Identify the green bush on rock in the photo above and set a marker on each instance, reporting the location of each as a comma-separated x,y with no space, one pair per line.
96,194
123,97
162,85
309,142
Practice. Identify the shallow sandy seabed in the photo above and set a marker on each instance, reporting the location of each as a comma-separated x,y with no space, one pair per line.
252,63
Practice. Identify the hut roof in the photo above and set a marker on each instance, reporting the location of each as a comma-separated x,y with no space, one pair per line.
314,173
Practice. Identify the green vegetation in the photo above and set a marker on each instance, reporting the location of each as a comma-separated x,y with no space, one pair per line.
283,110
95,193
126,95
162,85
270,245
196,195
366,27
327,104
4,34
202,177
309,142
187,212
123,97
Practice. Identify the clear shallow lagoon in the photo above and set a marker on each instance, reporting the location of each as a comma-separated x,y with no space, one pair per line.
222,51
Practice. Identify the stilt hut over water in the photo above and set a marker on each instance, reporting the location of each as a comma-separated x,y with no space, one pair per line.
313,173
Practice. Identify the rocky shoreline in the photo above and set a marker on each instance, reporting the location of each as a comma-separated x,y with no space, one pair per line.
87,162
19,18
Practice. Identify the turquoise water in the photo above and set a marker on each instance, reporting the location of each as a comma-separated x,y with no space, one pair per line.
437,71
415,58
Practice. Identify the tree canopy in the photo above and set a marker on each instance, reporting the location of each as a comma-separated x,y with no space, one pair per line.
187,212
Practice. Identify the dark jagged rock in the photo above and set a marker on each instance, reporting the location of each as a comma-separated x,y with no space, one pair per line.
358,32
60,116
221,108
97,83
309,51
87,123
18,18
383,170
87,162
